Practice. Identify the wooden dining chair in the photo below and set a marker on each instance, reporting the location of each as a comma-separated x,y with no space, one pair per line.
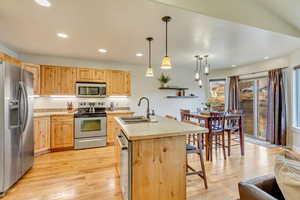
216,133
171,117
233,127
192,149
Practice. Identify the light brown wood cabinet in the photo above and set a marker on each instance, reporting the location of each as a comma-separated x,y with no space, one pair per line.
68,80
91,75
62,132
41,135
50,80
35,70
112,126
56,80
119,83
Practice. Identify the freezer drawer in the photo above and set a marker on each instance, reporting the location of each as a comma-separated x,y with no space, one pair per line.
85,143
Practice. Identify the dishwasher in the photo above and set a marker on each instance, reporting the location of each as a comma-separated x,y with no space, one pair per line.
125,165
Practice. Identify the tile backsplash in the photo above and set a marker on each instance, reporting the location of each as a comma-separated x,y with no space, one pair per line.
61,101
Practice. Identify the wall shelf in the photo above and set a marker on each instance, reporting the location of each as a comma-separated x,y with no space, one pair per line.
172,88
182,97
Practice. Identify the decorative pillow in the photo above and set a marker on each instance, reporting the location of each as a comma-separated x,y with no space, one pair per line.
287,174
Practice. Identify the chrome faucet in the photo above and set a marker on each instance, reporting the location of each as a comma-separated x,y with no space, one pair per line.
148,109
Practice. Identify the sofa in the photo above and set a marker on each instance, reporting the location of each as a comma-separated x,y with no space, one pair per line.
260,188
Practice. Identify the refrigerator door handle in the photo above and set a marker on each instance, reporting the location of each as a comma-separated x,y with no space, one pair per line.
25,96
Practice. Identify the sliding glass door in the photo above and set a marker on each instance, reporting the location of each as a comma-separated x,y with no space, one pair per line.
254,101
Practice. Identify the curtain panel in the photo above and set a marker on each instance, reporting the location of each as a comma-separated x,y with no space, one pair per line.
276,116
233,93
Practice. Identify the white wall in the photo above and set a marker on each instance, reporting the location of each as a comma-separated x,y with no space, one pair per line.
141,86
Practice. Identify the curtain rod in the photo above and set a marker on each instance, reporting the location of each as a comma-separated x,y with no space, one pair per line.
259,72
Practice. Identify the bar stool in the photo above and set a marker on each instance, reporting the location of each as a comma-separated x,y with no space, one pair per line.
190,149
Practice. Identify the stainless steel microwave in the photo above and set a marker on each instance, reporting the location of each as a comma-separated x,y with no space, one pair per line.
90,90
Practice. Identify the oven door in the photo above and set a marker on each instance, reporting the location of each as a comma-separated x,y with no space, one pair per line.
90,127
90,90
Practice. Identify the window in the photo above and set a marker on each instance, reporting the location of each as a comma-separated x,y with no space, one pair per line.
217,93
297,97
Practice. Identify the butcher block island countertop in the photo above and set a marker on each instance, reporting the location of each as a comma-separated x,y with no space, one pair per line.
157,158
164,127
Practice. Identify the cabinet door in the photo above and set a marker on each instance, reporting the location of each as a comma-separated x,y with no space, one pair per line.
41,134
127,85
68,80
50,80
35,70
99,75
62,134
84,75
117,83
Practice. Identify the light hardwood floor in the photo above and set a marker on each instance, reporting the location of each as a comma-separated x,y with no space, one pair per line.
90,175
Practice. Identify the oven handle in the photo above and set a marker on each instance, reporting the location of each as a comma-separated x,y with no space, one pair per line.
123,147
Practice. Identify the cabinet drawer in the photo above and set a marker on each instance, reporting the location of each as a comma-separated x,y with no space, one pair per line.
62,118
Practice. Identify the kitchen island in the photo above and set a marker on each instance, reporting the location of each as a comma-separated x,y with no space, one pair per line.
151,159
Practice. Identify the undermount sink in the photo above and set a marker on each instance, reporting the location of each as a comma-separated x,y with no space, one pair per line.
134,120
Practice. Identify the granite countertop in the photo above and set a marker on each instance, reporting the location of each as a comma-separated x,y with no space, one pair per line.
163,128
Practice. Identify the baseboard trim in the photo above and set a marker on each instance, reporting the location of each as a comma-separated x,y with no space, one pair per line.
297,149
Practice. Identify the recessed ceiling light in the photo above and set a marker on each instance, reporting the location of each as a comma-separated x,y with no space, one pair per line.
233,65
139,54
102,50
266,58
62,35
44,3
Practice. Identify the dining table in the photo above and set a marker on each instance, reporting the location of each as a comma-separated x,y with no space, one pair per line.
206,117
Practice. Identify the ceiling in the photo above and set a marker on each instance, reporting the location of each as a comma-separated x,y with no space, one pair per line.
121,26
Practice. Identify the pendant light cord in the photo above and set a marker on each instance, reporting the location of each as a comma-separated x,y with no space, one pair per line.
167,38
150,54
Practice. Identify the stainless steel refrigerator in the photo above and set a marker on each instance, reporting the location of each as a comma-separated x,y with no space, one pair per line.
16,124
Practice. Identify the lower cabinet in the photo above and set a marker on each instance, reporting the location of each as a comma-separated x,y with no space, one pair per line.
112,127
62,132
41,135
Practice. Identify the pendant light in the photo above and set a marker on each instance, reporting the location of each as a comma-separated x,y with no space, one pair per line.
200,81
166,62
207,66
149,72
197,74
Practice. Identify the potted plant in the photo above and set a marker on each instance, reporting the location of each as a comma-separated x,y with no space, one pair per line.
164,79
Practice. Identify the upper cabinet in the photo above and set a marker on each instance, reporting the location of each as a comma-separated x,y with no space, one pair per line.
50,80
57,80
119,83
91,75
35,70
68,80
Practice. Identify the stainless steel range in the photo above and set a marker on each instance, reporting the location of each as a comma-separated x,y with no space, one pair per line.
90,125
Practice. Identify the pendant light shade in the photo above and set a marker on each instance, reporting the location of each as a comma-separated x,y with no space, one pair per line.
149,72
207,66
200,82
197,74
166,62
